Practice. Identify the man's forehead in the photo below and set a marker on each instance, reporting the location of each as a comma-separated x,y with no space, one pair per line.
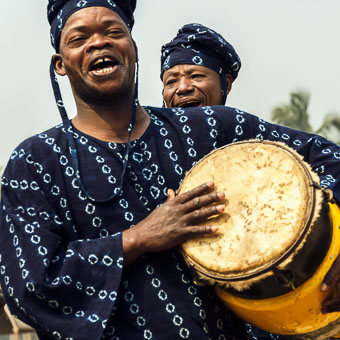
86,17
186,69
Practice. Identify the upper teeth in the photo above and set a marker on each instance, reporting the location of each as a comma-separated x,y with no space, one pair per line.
101,60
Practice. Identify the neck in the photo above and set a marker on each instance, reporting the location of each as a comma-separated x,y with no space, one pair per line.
109,121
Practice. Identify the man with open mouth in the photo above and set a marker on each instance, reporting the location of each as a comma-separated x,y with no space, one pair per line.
89,219
198,67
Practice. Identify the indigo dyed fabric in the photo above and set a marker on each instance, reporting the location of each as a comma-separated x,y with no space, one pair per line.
196,44
61,253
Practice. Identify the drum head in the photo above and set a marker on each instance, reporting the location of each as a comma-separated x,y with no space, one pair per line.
269,202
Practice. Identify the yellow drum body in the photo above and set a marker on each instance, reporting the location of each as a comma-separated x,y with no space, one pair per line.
277,238
297,312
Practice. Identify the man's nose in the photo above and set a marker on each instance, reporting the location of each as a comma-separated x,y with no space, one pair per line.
98,41
184,86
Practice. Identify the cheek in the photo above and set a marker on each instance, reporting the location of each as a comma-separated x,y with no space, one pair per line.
167,94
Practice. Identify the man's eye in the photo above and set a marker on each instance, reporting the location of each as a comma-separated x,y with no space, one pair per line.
115,32
197,75
76,40
170,82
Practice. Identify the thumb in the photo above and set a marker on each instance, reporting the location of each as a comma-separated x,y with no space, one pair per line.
171,195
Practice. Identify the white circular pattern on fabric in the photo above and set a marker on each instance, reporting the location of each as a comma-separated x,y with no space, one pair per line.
162,295
92,149
42,250
275,134
213,133
15,240
90,209
197,60
186,129
18,251
67,310
184,333
129,296
90,290
197,302
30,286
134,309
69,171
93,259
55,190
185,278
80,313
29,229
170,308
211,121
24,185
219,324
150,270
147,334
93,318
203,314
177,320
141,321
35,239
239,130
156,282
63,160
113,296
173,156
192,290
102,294
192,152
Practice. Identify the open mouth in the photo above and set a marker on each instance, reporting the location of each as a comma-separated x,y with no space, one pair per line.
103,66
189,103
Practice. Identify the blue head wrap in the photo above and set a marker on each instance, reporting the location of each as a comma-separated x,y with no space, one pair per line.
196,44
58,12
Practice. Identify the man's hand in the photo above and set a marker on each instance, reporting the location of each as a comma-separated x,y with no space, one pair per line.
330,283
173,222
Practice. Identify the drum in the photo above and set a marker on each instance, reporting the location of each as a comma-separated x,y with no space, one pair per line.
277,238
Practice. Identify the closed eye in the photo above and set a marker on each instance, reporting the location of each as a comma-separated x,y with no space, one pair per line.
198,75
115,32
76,40
170,82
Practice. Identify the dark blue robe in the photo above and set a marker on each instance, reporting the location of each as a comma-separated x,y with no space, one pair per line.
61,253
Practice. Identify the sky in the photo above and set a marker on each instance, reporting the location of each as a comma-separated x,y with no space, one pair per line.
284,46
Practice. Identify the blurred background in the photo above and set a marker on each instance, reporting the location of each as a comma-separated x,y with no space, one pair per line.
289,50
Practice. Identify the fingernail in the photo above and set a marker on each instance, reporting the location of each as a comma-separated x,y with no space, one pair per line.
220,195
323,287
214,228
220,208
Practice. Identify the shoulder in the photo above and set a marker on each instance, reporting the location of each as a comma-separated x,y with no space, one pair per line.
39,149
42,142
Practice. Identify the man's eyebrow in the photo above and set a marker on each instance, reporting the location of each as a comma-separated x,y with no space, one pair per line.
172,74
84,28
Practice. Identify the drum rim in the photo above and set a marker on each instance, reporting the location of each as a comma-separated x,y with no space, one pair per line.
209,273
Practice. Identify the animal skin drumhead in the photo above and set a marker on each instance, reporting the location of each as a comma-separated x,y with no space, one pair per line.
268,200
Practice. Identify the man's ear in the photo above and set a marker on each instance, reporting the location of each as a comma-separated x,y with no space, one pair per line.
229,79
58,64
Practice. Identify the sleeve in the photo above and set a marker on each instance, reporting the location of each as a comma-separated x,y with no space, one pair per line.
322,154
64,289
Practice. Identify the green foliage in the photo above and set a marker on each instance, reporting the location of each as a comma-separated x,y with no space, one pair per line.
295,115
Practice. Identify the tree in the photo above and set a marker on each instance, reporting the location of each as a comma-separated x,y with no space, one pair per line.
295,115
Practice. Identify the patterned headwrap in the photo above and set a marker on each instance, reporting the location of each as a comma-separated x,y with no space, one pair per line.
58,11
196,44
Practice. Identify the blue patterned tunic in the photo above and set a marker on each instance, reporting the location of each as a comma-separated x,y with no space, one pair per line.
61,253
